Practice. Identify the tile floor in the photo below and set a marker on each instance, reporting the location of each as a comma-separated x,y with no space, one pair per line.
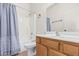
23,54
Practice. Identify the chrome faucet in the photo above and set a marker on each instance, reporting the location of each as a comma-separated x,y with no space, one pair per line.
57,33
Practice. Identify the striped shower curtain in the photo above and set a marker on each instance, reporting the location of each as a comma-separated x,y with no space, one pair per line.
9,41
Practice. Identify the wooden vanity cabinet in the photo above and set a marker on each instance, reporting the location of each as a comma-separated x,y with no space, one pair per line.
69,49
52,52
38,39
50,43
54,47
41,50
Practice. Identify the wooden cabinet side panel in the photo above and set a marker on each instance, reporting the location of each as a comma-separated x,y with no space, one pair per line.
38,39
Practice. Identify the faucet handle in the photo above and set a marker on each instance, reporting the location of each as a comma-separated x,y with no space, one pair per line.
57,33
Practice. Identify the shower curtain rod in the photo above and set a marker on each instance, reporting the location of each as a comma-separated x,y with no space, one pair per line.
30,12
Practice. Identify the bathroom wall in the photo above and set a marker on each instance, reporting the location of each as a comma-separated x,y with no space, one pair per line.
68,12
23,23
40,8
26,20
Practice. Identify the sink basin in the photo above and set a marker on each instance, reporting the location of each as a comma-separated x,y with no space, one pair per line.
61,35
50,35
69,36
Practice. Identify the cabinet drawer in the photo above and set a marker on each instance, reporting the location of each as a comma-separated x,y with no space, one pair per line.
52,52
38,39
50,43
69,49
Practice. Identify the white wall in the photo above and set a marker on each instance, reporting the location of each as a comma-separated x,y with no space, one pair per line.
23,23
69,13
26,20
40,8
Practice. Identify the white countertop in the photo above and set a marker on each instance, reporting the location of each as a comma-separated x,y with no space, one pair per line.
64,38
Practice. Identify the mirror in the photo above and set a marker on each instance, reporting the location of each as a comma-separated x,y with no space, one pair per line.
63,17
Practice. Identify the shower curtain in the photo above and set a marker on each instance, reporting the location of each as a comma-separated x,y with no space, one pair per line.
9,41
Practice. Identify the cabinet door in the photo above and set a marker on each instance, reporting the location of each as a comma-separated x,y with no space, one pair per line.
69,49
52,52
38,39
41,50
50,43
